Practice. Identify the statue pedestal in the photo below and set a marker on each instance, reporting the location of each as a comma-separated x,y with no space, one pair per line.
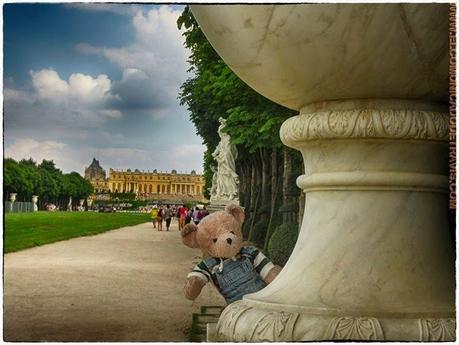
374,257
220,204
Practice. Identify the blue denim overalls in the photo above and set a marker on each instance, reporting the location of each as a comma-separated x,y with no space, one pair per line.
237,278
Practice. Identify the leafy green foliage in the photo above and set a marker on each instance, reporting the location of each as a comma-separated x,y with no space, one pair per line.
282,242
27,178
208,174
214,91
258,232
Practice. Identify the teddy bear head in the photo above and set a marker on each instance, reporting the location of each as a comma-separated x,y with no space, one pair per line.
219,234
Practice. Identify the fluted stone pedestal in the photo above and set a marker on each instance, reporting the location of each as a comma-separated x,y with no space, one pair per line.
374,257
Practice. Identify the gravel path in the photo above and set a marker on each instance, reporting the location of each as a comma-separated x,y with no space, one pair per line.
122,285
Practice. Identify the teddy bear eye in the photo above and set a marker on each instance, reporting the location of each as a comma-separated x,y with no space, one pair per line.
215,240
232,232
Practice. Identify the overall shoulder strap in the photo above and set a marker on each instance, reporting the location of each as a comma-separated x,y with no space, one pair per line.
250,252
210,263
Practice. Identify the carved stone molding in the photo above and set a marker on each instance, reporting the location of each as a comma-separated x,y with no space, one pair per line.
229,317
257,326
437,329
275,326
365,123
354,328
243,321
388,180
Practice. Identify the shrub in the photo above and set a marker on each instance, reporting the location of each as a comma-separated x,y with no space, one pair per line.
258,233
282,242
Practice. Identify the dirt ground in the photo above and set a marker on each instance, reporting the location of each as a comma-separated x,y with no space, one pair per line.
122,285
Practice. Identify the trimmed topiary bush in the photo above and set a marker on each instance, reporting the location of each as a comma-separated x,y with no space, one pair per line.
282,242
258,233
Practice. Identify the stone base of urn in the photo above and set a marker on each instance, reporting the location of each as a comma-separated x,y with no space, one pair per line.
246,322
374,257
219,204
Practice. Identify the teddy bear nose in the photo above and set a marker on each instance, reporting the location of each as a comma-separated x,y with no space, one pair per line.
229,240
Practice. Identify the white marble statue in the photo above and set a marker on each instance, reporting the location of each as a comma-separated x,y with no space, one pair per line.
225,181
69,205
34,203
12,200
213,190
13,197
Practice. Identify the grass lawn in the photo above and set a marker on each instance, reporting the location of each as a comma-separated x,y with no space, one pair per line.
25,230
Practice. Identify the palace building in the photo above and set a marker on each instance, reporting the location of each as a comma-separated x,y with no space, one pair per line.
147,185
96,175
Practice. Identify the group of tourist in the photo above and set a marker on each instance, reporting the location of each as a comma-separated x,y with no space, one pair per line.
183,214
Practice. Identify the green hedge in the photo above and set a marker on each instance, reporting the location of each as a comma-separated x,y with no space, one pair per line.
282,242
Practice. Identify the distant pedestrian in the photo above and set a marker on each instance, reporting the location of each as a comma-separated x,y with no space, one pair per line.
189,216
182,214
196,216
154,216
160,218
168,217
204,212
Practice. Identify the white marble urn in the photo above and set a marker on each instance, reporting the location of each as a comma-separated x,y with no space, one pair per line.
89,201
374,257
34,203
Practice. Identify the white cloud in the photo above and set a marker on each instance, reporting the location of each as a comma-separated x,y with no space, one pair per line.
123,9
184,151
80,101
157,52
48,84
68,158
126,123
18,96
84,87
116,114
80,88
38,150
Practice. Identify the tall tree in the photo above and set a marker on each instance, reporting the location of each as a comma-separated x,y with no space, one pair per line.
26,178
253,123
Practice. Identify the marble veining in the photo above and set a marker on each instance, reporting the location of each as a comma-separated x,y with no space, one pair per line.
346,52
374,258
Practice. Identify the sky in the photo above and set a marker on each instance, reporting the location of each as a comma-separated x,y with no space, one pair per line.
97,80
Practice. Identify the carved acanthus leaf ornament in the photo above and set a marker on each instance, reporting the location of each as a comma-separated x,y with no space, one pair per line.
366,123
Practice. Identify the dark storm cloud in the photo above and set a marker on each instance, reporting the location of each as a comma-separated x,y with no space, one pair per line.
127,119
138,91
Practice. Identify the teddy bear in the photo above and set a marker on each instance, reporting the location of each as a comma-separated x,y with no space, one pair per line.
234,269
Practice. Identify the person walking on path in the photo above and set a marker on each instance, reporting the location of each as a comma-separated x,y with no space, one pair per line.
182,215
189,216
204,212
196,216
168,217
154,216
160,218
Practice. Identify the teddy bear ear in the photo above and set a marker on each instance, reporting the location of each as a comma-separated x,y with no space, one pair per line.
236,211
189,235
